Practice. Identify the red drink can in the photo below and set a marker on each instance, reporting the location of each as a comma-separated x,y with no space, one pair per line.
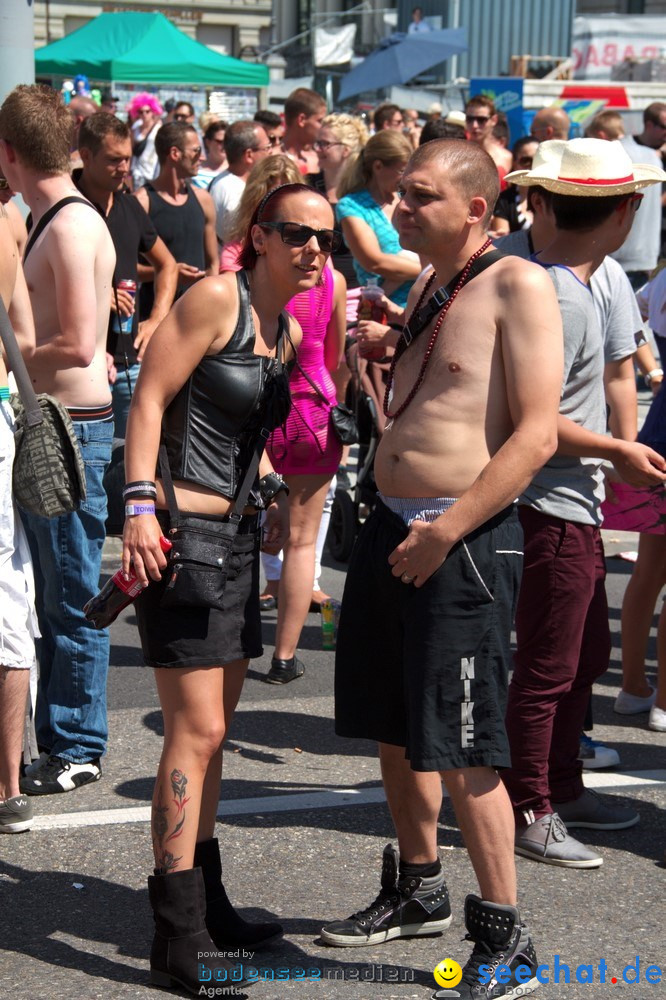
123,324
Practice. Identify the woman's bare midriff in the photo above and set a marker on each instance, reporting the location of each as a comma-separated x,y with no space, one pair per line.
194,499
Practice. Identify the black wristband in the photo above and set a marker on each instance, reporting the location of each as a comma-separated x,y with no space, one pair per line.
270,486
140,482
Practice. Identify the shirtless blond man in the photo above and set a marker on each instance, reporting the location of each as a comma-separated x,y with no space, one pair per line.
423,649
17,616
68,268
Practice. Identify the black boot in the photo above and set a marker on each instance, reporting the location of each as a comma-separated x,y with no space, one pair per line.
500,940
226,927
179,908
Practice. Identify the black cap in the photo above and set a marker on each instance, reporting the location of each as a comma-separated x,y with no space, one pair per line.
107,96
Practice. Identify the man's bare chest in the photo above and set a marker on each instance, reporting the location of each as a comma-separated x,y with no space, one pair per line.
464,343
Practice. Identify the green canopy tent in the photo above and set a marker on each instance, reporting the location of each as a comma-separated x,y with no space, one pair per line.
143,48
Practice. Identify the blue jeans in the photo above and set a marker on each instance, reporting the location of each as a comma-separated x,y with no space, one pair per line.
73,657
121,398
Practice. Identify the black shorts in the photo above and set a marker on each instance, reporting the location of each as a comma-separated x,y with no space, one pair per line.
206,637
428,668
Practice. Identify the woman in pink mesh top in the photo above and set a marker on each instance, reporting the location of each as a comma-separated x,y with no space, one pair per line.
307,453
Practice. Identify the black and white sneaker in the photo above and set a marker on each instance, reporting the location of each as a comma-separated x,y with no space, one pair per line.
406,907
502,950
55,774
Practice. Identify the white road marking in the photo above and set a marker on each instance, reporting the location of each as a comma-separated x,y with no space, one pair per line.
300,801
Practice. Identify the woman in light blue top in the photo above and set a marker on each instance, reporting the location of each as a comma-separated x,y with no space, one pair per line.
368,193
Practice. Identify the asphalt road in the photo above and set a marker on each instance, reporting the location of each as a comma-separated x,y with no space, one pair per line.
303,827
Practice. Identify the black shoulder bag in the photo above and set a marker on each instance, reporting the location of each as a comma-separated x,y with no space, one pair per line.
342,418
202,547
199,559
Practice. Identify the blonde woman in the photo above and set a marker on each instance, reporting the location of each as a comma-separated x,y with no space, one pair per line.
368,192
340,137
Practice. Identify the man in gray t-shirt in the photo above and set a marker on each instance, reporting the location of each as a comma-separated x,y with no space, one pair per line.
562,611
639,253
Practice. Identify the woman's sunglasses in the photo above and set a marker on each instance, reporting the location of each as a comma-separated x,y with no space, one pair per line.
296,235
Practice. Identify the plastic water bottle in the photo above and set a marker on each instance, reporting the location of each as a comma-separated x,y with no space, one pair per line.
330,615
116,594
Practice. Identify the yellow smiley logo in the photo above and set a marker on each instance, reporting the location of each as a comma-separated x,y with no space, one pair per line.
447,973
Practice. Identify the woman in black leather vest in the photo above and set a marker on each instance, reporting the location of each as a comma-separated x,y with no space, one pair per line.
211,378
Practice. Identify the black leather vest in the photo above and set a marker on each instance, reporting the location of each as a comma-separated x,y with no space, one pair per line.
210,428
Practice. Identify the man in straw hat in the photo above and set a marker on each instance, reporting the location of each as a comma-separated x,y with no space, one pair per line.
423,647
563,639
625,344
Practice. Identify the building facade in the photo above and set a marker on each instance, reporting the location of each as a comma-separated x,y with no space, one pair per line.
591,7
236,27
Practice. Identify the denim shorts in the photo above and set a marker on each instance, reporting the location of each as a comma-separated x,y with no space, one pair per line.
18,620
205,637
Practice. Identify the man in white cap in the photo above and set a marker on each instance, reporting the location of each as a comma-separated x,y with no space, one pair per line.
563,640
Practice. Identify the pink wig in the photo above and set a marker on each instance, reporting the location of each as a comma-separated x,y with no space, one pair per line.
144,100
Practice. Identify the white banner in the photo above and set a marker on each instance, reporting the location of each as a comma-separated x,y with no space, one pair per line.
599,43
334,46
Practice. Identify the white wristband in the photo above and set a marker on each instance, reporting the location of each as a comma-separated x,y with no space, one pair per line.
655,373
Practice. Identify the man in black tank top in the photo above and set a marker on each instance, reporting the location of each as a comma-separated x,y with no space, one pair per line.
183,215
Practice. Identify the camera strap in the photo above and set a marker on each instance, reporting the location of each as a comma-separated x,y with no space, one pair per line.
421,317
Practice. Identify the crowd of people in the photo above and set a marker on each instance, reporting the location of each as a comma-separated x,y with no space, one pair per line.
186,292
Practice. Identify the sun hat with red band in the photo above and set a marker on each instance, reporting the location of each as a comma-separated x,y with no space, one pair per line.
591,168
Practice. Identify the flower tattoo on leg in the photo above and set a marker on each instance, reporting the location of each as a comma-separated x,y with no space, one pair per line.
165,859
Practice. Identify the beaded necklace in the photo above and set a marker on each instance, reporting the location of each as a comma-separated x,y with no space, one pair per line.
403,344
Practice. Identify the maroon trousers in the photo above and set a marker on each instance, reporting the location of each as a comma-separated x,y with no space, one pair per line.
563,646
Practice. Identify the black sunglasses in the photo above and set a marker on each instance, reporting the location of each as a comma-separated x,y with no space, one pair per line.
635,200
296,235
479,119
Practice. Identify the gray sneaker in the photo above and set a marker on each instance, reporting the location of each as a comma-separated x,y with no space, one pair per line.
597,812
547,840
16,814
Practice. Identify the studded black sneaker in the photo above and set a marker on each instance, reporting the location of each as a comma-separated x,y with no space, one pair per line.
406,907
503,962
